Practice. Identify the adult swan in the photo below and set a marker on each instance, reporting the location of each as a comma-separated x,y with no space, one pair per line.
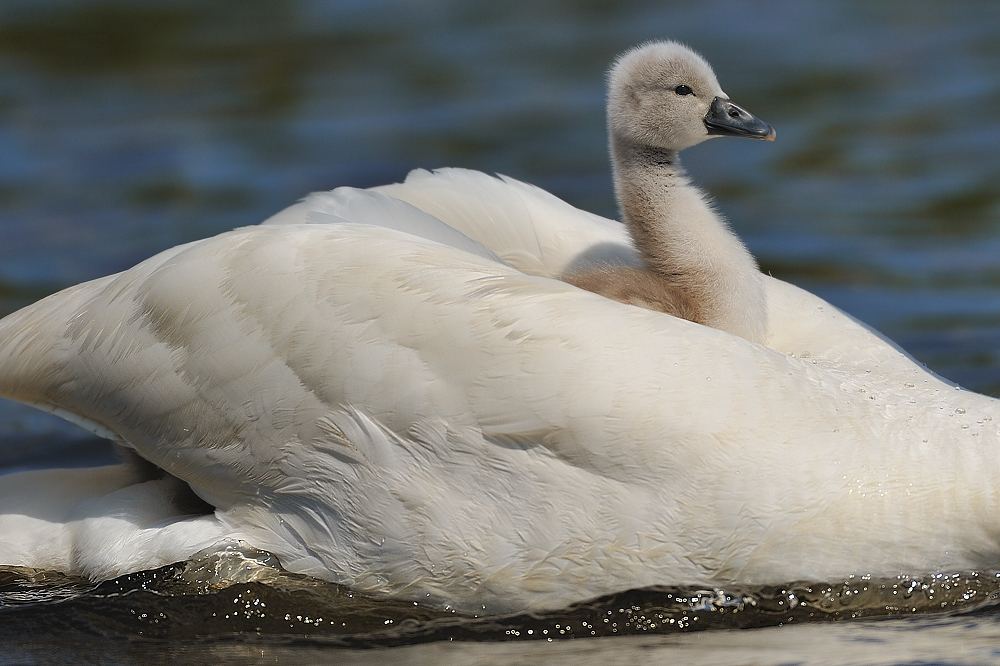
391,390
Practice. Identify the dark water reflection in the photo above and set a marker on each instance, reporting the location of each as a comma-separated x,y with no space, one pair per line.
129,127
173,608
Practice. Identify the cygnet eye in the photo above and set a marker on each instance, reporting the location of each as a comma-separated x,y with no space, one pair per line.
683,90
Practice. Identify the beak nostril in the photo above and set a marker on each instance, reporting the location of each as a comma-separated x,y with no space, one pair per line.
725,117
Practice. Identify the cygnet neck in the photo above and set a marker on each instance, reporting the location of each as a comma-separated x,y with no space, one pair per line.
681,237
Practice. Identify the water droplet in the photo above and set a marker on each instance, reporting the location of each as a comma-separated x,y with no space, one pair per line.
959,410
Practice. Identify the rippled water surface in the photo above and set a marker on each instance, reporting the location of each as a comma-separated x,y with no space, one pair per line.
128,127
239,605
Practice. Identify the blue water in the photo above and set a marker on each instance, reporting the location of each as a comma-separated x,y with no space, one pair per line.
128,127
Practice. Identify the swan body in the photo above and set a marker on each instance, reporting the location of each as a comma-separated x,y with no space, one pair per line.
414,419
393,389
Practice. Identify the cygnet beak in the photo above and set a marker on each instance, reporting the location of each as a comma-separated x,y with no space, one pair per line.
728,119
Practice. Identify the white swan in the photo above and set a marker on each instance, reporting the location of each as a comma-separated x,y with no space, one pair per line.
418,413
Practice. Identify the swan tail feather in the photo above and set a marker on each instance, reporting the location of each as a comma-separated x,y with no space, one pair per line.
36,349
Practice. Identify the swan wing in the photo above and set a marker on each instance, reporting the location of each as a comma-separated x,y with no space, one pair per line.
251,337
533,230
355,206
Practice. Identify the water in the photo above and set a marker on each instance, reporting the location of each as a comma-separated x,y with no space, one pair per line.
129,127
239,603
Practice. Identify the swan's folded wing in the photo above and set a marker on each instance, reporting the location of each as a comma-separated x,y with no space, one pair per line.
353,206
533,230
221,360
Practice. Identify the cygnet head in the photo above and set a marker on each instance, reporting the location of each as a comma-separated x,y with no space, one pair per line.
664,95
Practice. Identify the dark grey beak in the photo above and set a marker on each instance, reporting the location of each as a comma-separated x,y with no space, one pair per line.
726,118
